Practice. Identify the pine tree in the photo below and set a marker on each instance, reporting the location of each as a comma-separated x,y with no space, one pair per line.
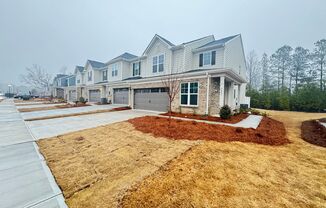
300,65
281,61
320,60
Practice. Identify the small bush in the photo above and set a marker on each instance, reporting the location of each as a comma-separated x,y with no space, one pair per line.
254,112
82,100
225,112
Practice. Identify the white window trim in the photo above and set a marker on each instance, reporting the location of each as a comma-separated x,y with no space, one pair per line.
114,68
89,76
132,66
210,61
157,56
188,95
106,72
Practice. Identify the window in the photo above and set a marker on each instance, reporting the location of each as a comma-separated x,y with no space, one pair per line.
207,58
136,69
89,76
105,75
189,94
78,81
158,63
114,70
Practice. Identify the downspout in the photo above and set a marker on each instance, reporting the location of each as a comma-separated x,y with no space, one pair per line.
207,92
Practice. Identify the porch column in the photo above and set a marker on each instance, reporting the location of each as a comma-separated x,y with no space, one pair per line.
222,83
238,99
231,99
208,90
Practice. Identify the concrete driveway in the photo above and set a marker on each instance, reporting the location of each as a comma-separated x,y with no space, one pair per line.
53,127
25,179
65,111
38,106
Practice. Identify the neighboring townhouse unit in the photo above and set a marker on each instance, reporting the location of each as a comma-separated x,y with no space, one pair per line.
58,86
212,73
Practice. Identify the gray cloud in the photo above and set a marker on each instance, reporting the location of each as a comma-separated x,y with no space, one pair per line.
61,33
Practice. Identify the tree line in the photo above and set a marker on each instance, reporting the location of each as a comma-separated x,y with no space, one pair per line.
289,79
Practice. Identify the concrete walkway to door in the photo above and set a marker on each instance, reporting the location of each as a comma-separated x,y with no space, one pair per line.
25,179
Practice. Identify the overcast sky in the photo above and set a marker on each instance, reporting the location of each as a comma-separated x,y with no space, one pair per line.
57,33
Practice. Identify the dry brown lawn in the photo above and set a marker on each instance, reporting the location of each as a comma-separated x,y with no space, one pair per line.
95,167
238,174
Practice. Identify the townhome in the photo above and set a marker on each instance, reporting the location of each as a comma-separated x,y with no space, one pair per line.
212,73
59,85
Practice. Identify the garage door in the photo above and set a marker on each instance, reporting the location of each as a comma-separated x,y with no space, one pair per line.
155,99
94,96
60,93
121,96
72,95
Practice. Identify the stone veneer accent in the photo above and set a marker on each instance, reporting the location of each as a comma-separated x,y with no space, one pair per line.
214,97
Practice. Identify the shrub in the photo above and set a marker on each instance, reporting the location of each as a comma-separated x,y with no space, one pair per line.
254,112
225,112
82,100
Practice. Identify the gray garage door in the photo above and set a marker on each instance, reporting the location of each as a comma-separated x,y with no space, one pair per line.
121,96
155,99
60,93
94,96
72,95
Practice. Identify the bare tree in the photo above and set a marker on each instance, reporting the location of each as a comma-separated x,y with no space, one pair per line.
172,83
253,72
37,77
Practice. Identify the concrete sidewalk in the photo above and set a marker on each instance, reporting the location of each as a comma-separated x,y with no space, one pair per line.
25,179
65,111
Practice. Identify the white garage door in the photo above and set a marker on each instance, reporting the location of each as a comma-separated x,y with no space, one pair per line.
121,96
72,95
155,99
94,96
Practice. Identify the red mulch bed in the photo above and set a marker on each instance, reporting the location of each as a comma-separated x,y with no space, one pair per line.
269,132
313,132
232,120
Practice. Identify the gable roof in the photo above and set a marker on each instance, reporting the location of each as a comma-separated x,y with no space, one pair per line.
165,40
96,64
58,76
219,42
79,68
156,36
197,39
126,55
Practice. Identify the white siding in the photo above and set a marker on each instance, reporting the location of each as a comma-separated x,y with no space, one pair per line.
88,69
158,48
178,56
219,59
97,76
119,76
234,56
126,72
79,76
